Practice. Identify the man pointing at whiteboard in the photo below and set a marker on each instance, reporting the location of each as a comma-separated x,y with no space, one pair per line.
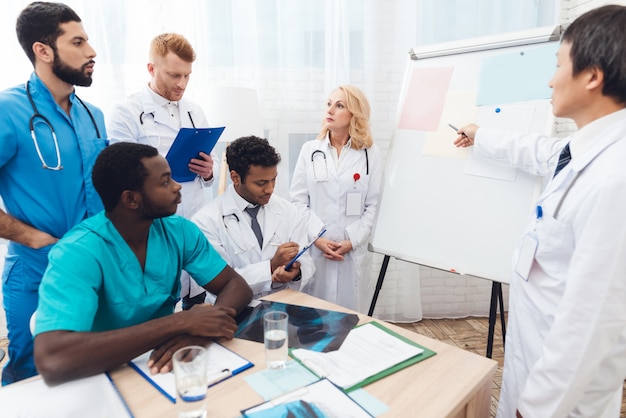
565,352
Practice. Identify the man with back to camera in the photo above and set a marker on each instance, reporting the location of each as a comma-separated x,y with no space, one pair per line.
154,115
45,180
123,265
227,223
565,352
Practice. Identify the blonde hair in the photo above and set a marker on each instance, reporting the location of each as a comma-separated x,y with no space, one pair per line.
359,130
172,42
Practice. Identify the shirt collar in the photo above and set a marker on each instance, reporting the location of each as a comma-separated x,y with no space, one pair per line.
585,137
327,141
160,100
240,202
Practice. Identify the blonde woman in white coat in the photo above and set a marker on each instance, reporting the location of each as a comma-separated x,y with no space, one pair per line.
336,182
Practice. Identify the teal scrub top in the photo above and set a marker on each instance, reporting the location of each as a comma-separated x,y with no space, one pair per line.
94,281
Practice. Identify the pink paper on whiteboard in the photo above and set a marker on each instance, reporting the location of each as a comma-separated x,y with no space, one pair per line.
425,97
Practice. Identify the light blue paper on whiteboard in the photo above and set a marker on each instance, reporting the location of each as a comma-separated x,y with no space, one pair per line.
517,76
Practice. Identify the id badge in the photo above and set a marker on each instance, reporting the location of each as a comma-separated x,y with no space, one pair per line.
353,204
526,255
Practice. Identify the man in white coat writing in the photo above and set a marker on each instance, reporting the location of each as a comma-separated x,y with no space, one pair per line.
256,232
565,353
154,115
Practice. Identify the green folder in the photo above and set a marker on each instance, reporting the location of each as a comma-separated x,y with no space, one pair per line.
406,363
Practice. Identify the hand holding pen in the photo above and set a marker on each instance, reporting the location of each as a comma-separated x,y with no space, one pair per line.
284,253
465,136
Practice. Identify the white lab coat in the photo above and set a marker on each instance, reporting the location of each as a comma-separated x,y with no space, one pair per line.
228,230
320,188
565,352
124,125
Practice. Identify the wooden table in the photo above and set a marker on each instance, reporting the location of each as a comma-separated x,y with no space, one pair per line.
454,383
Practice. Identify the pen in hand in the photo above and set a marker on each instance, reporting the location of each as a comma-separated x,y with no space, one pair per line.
463,140
456,130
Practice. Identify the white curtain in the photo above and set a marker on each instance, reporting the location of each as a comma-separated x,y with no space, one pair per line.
293,52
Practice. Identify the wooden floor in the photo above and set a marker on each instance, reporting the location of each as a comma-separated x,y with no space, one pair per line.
467,333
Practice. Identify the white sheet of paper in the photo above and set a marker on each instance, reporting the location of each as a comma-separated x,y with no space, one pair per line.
485,167
459,109
508,117
93,396
366,351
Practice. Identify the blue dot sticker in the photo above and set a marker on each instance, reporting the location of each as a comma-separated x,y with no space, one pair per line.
497,110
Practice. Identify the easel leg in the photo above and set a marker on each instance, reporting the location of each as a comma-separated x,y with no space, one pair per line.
496,288
502,321
379,284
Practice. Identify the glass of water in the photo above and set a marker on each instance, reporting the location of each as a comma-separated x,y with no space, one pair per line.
190,372
275,336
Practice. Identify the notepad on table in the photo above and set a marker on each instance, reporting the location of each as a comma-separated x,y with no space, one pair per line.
78,398
369,352
223,363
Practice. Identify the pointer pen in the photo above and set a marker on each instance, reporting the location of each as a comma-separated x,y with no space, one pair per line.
457,131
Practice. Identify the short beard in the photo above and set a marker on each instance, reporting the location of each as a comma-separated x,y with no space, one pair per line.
71,75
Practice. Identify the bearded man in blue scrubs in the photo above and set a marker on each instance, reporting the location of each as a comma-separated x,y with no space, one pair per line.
49,140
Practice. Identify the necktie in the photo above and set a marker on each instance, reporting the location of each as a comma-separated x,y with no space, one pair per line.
256,228
564,158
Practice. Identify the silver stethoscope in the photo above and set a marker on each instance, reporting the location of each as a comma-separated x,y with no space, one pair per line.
323,154
142,116
38,117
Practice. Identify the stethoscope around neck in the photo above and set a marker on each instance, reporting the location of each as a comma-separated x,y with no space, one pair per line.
325,177
236,233
38,116
142,117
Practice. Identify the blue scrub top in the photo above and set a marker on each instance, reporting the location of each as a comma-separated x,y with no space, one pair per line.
94,281
51,201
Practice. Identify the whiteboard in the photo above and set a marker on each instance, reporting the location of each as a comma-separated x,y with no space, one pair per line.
441,206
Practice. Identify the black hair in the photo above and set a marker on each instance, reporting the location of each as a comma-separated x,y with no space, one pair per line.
40,22
248,151
118,168
598,39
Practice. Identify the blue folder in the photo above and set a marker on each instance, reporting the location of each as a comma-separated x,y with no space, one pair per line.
187,145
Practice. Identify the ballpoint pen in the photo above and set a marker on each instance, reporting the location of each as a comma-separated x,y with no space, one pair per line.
455,128
218,377
306,247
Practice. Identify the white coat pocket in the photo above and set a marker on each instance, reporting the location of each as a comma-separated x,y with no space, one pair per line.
555,247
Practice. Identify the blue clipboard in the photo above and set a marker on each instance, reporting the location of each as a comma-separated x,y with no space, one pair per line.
223,364
187,145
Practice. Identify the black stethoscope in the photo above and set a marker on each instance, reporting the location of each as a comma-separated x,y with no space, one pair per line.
367,164
45,121
142,116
